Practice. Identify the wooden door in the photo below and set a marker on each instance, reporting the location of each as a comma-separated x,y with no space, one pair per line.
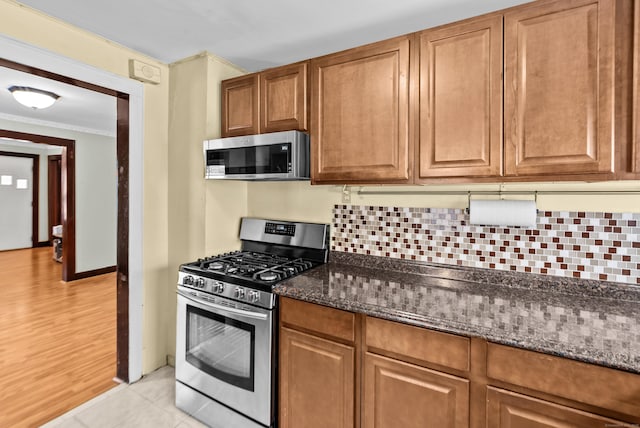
360,114
510,410
635,164
19,200
401,395
283,98
316,382
54,192
559,65
461,100
240,106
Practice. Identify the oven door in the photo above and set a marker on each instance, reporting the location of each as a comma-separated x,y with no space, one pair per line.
224,350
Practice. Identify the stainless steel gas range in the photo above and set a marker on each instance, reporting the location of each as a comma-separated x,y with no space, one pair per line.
226,350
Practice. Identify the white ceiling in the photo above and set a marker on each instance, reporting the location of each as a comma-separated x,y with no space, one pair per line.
257,34
251,34
76,109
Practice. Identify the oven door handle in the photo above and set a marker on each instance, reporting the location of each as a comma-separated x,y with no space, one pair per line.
248,314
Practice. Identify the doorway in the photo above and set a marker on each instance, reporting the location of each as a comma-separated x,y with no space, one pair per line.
23,53
19,192
67,196
122,153
54,192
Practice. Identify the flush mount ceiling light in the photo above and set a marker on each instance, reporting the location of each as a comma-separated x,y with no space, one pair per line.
33,98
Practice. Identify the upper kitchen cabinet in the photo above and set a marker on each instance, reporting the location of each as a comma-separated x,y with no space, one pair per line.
360,114
283,98
635,164
559,88
269,101
461,100
240,106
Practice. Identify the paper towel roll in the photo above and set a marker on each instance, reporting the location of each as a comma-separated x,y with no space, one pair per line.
503,213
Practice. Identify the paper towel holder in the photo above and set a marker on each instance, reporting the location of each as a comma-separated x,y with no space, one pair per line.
500,194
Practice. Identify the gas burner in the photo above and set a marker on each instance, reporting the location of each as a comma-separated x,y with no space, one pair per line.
289,269
216,265
268,276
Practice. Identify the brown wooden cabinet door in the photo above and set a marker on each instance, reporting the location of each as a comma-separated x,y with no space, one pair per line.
283,98
360,114
240,106
559,65
461,100
510,410
401,395
316,382
635,164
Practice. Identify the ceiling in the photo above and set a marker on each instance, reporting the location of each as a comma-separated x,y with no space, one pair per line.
77,108
257,34
253,35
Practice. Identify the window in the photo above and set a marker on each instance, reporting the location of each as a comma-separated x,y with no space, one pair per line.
22,183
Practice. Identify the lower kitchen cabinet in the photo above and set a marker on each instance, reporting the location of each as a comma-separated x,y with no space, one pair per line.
317,382
317,366
339,369
510,410
402,395
601,388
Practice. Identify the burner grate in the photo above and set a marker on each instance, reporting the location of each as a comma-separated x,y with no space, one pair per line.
253,266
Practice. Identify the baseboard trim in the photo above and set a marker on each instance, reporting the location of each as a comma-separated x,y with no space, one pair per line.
43,244
90,273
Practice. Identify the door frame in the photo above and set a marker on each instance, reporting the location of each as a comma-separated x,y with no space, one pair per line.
52,202
68,194
35,190
129,140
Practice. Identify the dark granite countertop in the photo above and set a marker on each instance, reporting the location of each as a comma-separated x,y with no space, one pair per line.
591,321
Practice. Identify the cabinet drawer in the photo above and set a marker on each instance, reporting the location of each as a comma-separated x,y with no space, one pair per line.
507,409
585,383
317,318
430,346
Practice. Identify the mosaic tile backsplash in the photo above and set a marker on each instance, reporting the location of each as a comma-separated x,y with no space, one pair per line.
601,246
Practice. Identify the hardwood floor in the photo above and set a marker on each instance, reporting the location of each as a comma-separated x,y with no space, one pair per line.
57,339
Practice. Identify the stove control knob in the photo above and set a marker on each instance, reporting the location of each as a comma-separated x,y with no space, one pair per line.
199,282
254,296
239,293
218,287
188,280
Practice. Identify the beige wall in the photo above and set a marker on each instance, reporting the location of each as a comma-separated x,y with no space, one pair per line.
302,201
37,29
201,213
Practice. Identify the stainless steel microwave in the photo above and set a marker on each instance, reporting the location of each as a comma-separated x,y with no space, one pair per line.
275,156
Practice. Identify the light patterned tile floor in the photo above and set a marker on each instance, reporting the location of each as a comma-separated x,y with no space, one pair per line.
149,402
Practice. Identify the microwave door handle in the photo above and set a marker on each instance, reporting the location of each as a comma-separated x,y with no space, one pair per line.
248,314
